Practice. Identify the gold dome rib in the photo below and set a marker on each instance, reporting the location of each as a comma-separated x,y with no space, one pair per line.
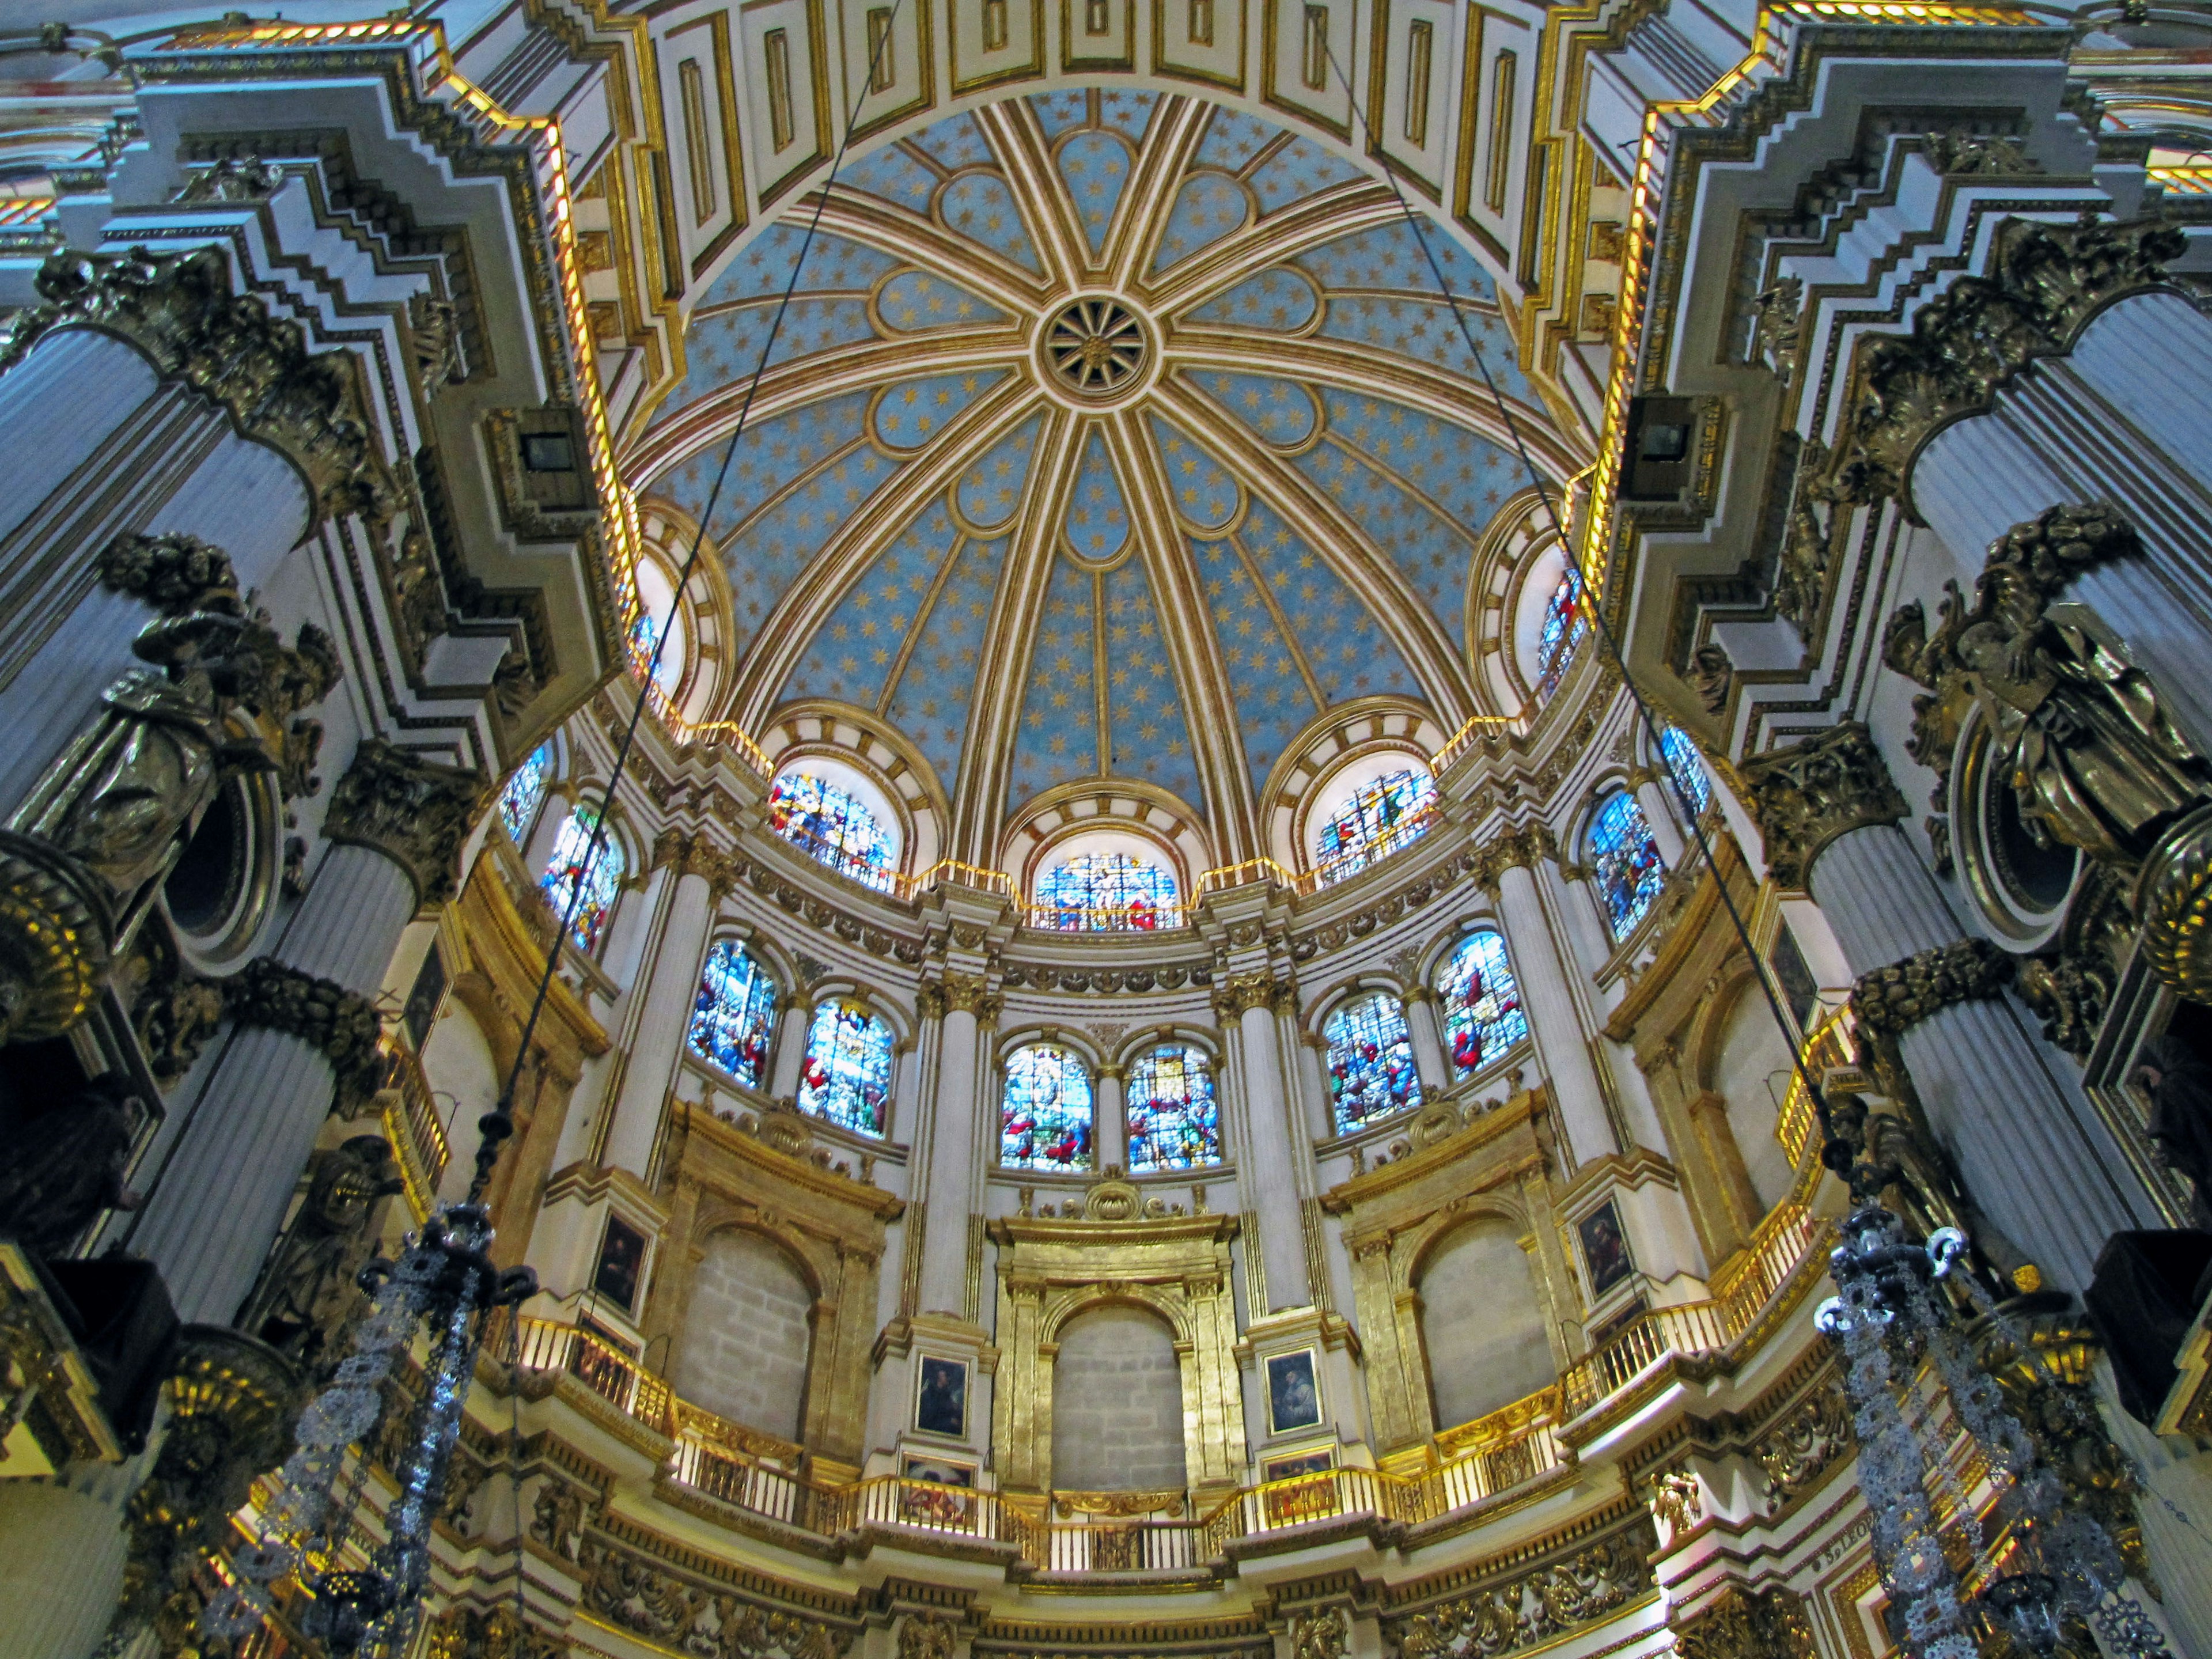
1149,196
1046,208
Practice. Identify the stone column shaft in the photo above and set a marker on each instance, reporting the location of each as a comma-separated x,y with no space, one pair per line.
1266,1173
664,1017
1426,1030
790,1058
1109,1138
224,1192
1561,1049
950,1167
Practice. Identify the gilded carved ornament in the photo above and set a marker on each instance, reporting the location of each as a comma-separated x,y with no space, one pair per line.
1797,1452
112,811
1516,848
339,1024
1532,1606
415,812
1739,1624
635,1593
179,309
1818,788
927,1636
466,1632
1318,1635
1257,988
2044,280
1888,1001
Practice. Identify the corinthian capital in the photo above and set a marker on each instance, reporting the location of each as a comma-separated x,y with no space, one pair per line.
1520,848
1258,988
1815,790
414,812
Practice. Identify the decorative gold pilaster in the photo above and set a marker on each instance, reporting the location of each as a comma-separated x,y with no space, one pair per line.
1806,795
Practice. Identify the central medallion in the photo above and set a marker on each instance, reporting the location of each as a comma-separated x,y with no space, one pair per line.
1097,348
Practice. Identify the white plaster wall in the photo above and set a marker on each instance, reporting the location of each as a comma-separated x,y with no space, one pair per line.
1752,1073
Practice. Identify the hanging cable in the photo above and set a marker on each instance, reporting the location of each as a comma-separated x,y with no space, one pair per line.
1579,593
497,1125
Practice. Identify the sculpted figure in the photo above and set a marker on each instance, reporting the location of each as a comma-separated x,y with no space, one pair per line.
1916,1177
304,1293
66,1164
2179,1085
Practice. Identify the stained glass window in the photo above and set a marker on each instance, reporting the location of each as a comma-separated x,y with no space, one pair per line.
848,1078
1626,861
565,872
833,826
526,793
1688,767
1561,636
1106,892
1370,1062
1044,1122
733,1018
1380,818
1482,1005
1175,1123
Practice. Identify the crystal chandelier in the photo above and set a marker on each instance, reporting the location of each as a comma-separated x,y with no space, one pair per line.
2048,1567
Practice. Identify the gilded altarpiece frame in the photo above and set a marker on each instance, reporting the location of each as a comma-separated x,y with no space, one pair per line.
767,1178
1176,1267
1460,1166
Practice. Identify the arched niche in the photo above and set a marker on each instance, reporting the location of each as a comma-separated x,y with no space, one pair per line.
1369,735
1743,1060
744,1349
852,747
1117,1411
1483,1319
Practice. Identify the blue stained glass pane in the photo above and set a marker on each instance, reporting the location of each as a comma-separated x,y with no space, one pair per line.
565,872
1106,892
733,1018
1175,1123
1483,1016
847,1078
1625,859
1382,816
1688,767
1044,1122
832,826
1565,625
1370,1062
525,793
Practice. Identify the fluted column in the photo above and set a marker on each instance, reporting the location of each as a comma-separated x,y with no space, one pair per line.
654,1042
1562,1049
954,1150
2035,1162
1109,1137
218,1200
1268,1130
1425,1027
1662,811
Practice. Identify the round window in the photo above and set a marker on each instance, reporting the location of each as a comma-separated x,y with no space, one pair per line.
2020,877
216,892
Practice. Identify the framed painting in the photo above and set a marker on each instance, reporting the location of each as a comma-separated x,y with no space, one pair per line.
940,1399
1605,1248
1293,1391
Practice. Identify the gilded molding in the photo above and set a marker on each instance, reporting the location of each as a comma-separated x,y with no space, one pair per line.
1893,1000
414,812
1818,788
2044,280
180,311
1536,1605
2174,900
1737,1624
340,1025
1257,988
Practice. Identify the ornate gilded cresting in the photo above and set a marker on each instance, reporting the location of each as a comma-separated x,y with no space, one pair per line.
1818,788
180,310
415,812
232,1401
109,815
1178,1266
1802,1446
1738,1624
2045,282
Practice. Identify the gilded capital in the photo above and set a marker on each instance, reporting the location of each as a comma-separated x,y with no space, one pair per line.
180,310
1893,1000
1511,849
963,994
1256,989
414,812
1817,789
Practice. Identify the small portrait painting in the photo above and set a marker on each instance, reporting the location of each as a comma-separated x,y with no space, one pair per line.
1290,1468
622,1259
1605,1248
922,1506
941,1397
1293,1392
1307,1497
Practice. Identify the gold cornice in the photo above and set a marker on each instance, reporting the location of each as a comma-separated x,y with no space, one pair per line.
884,1206
1425,1161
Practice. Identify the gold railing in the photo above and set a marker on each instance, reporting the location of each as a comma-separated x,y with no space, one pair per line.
547,1345
1306,882
1828,1043
1070,919
1474,727
411,1124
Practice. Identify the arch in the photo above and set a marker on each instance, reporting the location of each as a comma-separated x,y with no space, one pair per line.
840,818
1174,1109
1117,1401
876,752
1736,1052
845,1077
1332,739
1482,1014
1364,810
733,1012
523,796
1678,753
1098,881
1511,556
1047,1109
1484,1324
1626,871
1550,628
1143,815
698,684
747,1340
1369,1061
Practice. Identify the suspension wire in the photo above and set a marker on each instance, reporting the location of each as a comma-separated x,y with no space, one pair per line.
498,1124
1578,589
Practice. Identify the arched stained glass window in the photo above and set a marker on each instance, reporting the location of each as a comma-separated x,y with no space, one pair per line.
565,872
1688,767
1370,1062
1106,892
1625,862
525,793
1561,636
1482,1005
1374,821
733,1018
833,825
1044,1122
1175,1123
847,1078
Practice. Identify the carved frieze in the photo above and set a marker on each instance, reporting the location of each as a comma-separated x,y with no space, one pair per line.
415,812
635,1593
1821,788
1770,1625
1535,1605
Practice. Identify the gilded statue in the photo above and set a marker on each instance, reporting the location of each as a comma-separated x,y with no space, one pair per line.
308,1286
1900,1165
